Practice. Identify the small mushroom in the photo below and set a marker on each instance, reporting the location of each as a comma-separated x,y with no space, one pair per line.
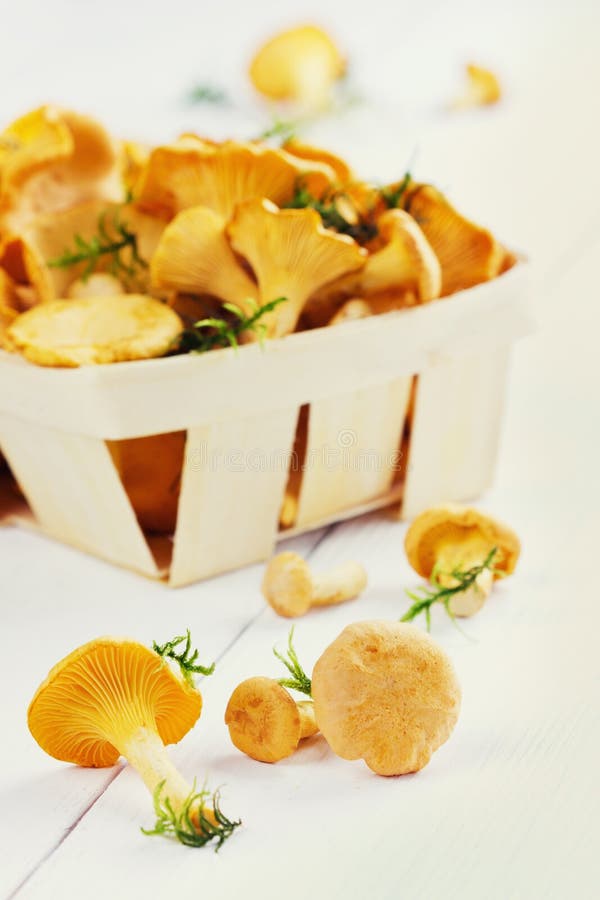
194,257
95,330
292,255
300,64
265,722
482,88
112,698
99,284
468,254
291,589
405,262
386,693
455,545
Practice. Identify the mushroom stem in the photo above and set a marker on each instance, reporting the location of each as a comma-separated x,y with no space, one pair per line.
145,751
344,582
308,722
467,603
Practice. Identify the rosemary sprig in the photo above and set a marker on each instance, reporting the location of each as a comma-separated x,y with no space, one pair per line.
114,241
360,229
392,196
186,659
208,93
191,826
214,332
299,680
424,598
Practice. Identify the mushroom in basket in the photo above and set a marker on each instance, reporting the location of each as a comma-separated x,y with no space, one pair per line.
461,551
112,698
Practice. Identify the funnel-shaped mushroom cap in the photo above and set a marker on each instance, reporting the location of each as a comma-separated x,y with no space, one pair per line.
385,692
457,536
467,253
101,694
406,262
263,720
95,330
299,64
191,173
292,255
342,170
287,584
52,158
194,257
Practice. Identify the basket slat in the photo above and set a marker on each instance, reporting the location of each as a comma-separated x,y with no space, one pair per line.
232,486
352,449
75,492
455,430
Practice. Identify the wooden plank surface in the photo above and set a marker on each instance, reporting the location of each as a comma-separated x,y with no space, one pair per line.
507,809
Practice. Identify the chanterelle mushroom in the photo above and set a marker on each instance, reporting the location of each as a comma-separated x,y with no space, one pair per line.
194,257
292,255
461,550
265,722
300,64
291,589
112,698
95,330
468,253
386,693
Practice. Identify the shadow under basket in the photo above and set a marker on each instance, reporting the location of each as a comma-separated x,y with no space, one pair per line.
244,446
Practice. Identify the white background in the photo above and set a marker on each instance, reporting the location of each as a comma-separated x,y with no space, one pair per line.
508,808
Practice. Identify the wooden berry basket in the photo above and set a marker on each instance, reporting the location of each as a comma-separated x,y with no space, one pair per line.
241,410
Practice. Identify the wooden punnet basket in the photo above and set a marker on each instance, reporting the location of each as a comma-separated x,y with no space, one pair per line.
241,412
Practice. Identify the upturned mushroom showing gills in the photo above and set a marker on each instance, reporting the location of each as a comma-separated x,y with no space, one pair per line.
194,257
265,722
291,589
292,255
112,698
386,693
461,551
468,253
301,64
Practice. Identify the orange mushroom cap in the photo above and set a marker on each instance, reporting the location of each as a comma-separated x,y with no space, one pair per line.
194,257
341,168
101,693
192,173
450,536
292,255
468,253
263,720
385,692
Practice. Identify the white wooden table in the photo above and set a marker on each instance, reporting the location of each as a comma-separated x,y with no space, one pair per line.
508,807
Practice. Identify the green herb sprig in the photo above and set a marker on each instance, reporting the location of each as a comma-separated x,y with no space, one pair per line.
114,240
191,826
214,333
282,130
185,658
425,597
299,680
392,196
361,230
208,93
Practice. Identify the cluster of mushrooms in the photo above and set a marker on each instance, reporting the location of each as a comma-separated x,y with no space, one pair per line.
382,691
111,251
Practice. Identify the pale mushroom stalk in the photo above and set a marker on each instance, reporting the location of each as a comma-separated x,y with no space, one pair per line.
291,589
116,698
